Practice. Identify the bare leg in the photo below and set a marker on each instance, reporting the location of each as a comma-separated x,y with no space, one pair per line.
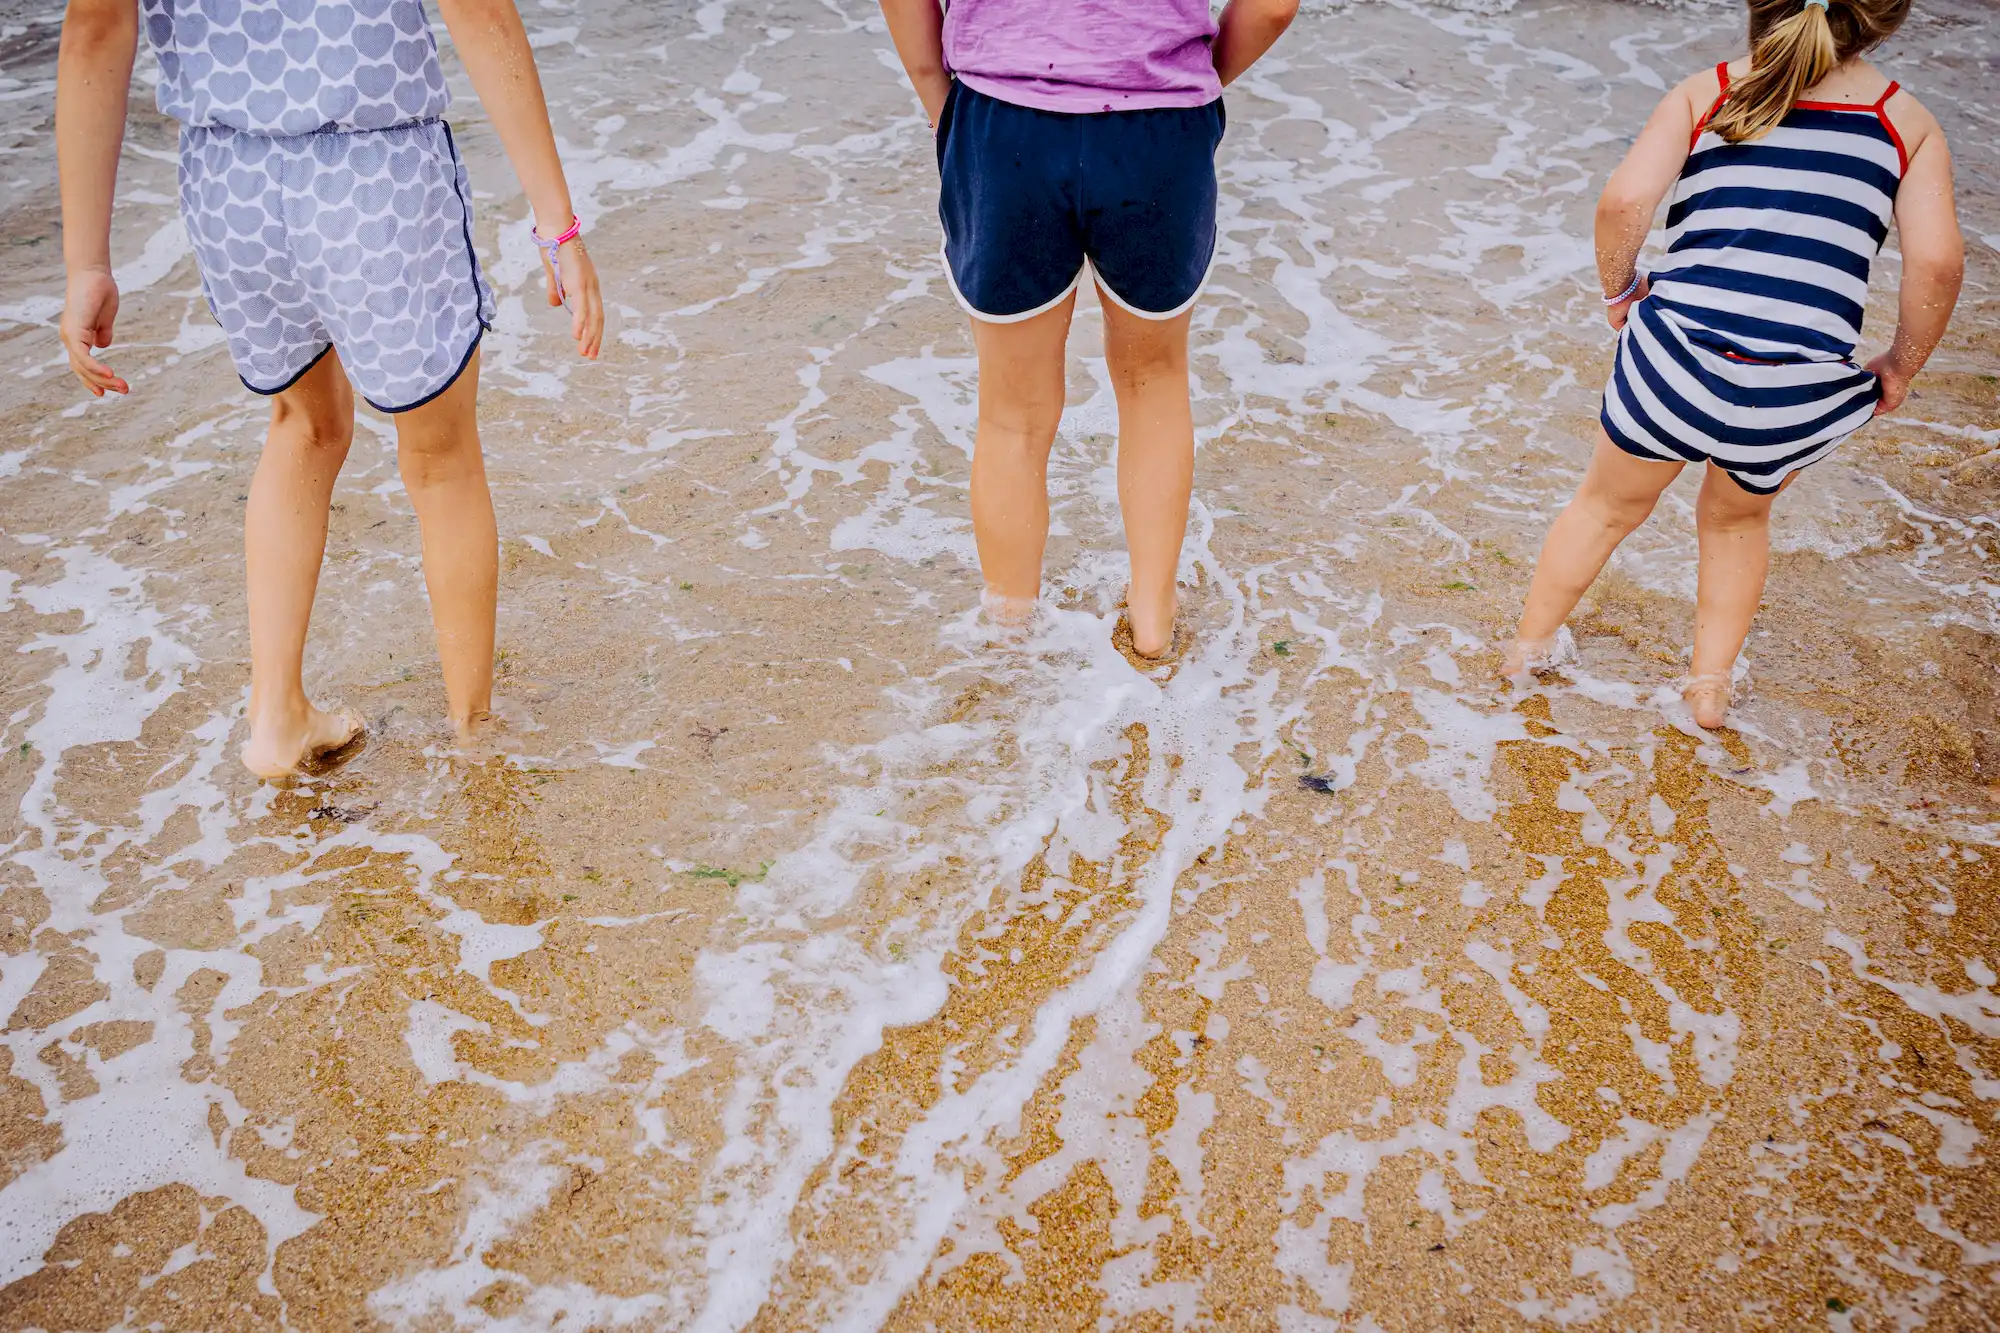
1734,528
1021,389
1617,495
1149,372
438,451
284,540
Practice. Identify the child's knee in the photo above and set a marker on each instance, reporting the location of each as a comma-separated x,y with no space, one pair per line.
1725,506
1732,516
1621,510
1026,420
325,422
1162,374
433,457
1147,357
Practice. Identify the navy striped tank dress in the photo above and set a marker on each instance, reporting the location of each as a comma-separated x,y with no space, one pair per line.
1743,354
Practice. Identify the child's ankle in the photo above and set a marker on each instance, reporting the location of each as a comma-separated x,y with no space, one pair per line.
1152,618
284,713
1525,654
1004,609
1528,633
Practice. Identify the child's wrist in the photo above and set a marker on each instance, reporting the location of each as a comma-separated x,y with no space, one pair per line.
1624,292
933,86
553,221
1902,360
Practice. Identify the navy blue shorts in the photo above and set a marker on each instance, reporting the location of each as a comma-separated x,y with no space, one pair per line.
1032,199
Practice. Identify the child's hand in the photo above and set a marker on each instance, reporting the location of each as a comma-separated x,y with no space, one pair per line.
90,306
1895,384
1621,312
586,305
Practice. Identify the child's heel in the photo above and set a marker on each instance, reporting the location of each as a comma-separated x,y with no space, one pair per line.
1709,697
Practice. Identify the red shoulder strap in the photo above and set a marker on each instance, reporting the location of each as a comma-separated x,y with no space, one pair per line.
1882,114
1722,73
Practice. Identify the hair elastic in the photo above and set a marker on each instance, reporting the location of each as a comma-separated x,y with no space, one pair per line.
1823,4
549,248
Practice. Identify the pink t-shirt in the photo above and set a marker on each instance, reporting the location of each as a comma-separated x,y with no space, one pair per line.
1084,55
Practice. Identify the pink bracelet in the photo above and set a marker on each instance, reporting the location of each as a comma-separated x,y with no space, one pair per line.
550,248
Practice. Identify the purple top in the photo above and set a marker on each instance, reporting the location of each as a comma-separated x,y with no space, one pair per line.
1084,55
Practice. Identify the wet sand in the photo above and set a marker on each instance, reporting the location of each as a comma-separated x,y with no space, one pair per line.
803,957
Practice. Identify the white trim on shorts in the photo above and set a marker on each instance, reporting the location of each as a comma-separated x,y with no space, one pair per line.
1177,311
984,318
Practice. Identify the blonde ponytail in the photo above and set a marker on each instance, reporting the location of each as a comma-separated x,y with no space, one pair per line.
1790,57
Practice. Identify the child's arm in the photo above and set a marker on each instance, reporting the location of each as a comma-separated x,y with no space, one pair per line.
93,72
494,48
1632,195
1933,268
917,28
1247,30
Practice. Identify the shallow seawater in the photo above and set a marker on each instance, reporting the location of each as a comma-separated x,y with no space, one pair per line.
804,956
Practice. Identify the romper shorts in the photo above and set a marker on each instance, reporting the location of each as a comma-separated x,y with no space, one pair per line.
1032,199
1683,393
356,239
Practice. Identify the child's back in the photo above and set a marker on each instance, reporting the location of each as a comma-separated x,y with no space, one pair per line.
1771,241
331,220
1077,138
297,67
1783,174
1743,352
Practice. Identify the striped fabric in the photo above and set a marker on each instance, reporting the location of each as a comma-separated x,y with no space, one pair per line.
1743,353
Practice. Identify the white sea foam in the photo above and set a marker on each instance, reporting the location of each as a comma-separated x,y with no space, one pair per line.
146,1126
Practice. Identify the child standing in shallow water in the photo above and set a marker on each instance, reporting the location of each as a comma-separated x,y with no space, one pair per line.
332,222
1074,137
1737,352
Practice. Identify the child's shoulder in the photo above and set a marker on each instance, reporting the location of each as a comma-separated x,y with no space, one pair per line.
1912,119
1699,93
1863,86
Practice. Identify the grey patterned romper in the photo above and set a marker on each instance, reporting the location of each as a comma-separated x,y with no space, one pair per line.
322,192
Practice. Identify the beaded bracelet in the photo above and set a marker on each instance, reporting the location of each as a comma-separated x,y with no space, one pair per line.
549,248
1625,295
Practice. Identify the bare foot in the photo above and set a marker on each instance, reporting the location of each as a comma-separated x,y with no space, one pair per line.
472,730
1525,656
1161,666
276,752
1153,627
1708,697
1522,657
1012,616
